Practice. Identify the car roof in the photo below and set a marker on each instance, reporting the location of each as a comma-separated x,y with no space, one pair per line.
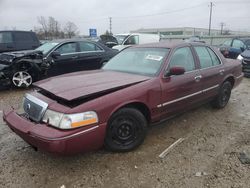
166,44
1,31
69,40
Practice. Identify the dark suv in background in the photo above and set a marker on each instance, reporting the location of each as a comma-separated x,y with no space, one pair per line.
18,40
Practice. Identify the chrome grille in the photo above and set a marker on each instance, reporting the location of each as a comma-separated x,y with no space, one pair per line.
34,107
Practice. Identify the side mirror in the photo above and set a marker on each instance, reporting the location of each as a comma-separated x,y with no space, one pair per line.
55,54
176,71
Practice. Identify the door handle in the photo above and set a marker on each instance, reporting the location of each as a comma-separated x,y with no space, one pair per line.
198,78
222,71
74,57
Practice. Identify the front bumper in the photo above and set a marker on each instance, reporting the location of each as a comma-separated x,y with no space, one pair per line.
246,69
49,139
4,80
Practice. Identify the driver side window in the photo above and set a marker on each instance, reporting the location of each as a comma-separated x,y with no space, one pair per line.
183,57
67,48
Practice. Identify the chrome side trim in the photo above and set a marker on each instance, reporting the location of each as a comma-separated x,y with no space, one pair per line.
85,52
182,98
238,77
187,96
210,88
69,136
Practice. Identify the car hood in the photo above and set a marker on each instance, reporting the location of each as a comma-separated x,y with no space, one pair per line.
8,57
88,83
246,54
22,53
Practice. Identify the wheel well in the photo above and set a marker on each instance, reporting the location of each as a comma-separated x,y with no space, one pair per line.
142,108
231,80
23,65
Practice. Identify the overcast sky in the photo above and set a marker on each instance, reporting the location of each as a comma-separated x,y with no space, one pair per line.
126,14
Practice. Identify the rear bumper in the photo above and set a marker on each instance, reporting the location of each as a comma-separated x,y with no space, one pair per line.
53,140
238,80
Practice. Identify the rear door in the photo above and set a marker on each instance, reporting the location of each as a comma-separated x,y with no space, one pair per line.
91,56
67,61
211,69
181,92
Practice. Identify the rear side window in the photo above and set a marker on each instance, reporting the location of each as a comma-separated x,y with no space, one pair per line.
238,44
247,43
207,57
6,37
183,57
23,37
214,57
89,47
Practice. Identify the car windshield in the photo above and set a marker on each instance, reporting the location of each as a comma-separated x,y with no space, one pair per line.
120,38
46,47
145,61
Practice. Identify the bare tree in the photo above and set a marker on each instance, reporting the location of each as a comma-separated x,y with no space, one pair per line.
50,28
43,22
70,29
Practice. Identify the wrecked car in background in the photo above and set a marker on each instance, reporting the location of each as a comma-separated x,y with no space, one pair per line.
53,58
245,60
233,47
113,106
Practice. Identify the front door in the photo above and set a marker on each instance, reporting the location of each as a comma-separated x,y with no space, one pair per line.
180,92
67,61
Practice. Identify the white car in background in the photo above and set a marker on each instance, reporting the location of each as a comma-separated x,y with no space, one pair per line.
129,39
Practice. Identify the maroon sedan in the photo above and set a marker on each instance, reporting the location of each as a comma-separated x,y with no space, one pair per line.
113,106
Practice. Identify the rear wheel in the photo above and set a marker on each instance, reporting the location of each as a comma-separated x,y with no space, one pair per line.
126,130
224,95
22,79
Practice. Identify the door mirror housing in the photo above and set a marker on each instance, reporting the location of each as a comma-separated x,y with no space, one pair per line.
176,71
55,54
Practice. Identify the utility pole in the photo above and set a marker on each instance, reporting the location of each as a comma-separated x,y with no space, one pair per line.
210,17
222,24
110,25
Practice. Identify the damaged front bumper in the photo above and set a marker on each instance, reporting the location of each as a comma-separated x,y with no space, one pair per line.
4,79
49,139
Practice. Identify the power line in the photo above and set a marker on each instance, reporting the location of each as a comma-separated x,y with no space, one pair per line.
161,13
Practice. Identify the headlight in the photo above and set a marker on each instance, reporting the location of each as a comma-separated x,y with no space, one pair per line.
69,121
240,57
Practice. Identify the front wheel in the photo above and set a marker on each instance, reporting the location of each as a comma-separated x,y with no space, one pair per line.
126,130
224,95
22,79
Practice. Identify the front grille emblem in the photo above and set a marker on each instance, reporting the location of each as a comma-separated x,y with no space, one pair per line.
28,106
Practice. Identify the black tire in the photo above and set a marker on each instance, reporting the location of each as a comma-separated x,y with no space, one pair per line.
224,95
126,130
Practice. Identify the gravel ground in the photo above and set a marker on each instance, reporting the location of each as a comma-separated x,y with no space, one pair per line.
208,157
